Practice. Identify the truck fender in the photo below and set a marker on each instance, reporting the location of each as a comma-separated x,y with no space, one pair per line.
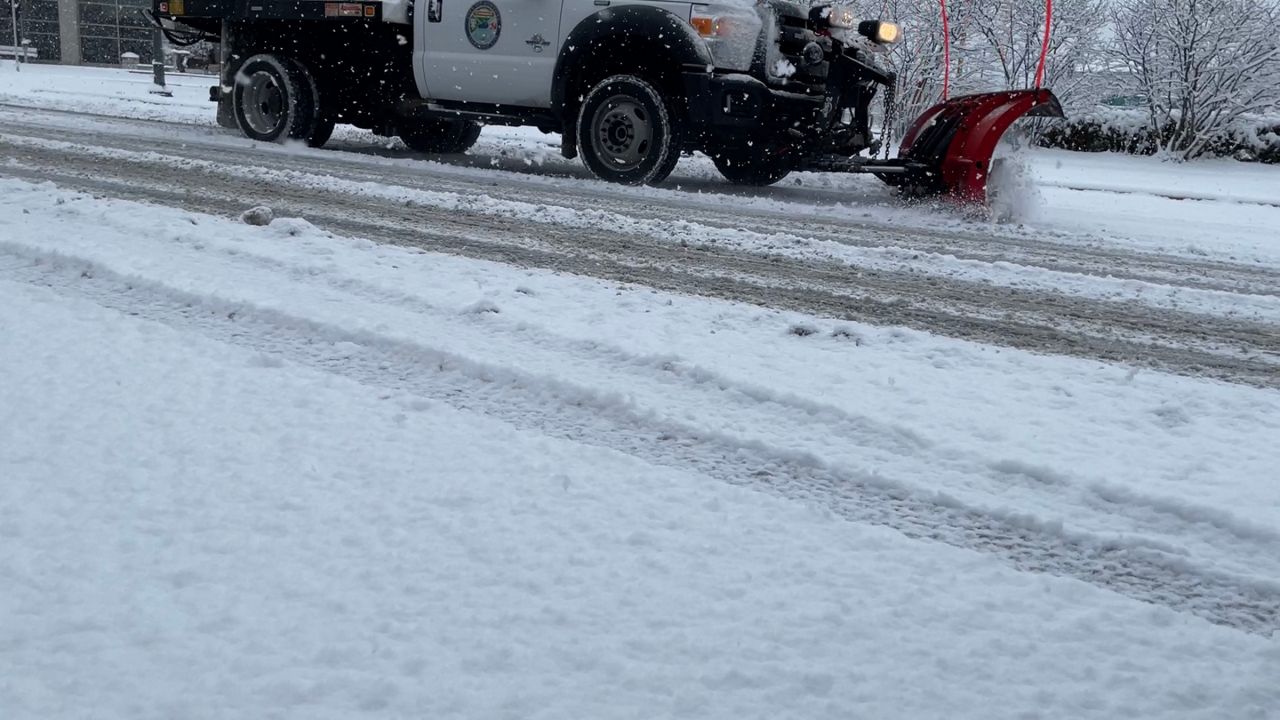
613,30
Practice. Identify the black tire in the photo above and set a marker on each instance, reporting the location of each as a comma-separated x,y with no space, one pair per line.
627,132
440,135
757,164
321,131
273,100
323,124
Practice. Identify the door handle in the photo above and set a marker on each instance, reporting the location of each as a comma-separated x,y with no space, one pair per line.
435,10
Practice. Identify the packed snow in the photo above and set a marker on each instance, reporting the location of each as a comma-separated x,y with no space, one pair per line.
250,467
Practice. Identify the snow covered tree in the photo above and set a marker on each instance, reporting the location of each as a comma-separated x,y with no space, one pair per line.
917,59
995,45
1200,65
1013,32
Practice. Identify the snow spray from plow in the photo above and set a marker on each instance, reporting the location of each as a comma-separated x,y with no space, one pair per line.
948,149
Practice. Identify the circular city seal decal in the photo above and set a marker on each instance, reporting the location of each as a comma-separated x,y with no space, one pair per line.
484,24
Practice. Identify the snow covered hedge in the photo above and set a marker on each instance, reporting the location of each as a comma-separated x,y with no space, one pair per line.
1127,130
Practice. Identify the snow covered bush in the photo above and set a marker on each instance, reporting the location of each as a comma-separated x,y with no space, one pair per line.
1128,130
1102,129
1262,141
1200,66
1250,138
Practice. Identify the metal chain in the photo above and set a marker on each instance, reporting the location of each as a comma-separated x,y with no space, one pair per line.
890,105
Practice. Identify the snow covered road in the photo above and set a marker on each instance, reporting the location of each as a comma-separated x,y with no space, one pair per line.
1005,288
454,440
586,412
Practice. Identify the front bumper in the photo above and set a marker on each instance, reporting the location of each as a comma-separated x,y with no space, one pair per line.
742,102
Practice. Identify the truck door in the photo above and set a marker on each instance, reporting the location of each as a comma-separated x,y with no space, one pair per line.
488,51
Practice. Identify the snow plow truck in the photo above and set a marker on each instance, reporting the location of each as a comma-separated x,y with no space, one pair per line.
762,87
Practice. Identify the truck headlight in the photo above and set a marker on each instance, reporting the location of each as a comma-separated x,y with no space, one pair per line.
880,31
842,17
730,33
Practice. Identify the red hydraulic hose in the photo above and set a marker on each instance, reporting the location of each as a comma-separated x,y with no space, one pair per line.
946,51
1044,47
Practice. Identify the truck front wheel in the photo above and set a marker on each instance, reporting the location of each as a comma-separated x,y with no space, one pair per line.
439,135
627,133
272,100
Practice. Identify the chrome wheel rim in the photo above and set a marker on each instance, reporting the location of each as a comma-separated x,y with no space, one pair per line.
622,133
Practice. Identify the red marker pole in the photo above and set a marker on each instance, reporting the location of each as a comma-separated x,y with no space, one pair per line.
946,50
1044,46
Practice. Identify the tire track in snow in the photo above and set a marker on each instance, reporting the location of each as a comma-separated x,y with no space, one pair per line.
1224,348
987,243
1153,521
564,410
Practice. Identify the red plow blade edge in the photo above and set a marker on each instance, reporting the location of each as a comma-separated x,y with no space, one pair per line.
954,140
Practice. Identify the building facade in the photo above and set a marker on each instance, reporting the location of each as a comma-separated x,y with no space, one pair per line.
77,32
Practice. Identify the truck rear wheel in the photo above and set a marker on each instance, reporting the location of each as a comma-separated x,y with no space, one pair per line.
273,100
321,131
439,135
323,124
627,133
757,164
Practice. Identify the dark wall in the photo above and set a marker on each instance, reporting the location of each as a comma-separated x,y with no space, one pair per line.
109,28
37,22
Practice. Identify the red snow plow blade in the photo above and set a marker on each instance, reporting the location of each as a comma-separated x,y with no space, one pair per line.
947,150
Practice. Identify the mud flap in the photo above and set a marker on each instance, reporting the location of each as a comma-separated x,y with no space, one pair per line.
226,115
953,141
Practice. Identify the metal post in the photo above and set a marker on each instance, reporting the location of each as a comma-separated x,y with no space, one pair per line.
157,64
228,65
69,31
13,14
